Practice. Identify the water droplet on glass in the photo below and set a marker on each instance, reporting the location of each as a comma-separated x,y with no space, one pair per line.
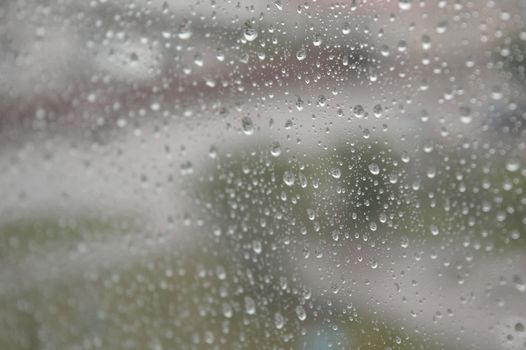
441,27
316,41
250,33
373,263
496,93
465,114
358,111
404,241
300,312
301,54
288,178
257,247
512,165
247,126
346,29
184,32
250,306
404,4
275,149
374,168
227,310
279,320
336,173
426,42
377,110
434,230
299,104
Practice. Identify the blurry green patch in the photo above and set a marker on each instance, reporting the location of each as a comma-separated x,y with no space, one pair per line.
35,235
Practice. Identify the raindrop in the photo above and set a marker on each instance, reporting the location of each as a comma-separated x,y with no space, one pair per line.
300,311
227,310
512,165
184,32
358,111
257,247
279,320
496,93
373,263
374,168
426,42
250,33
247,125
250,305
288,178
404,4
316,41
404,242
346,29
275,149
377,110
441,27
301,54
465,114
336,173
299,104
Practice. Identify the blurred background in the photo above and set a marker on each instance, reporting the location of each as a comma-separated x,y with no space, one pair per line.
272,174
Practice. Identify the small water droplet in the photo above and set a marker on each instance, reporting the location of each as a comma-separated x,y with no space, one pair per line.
378,110
346,29
279,320
465,114
257,247
184,32
373,263
512,165
227,310
316,41
299,104
358,111
426,42
250,306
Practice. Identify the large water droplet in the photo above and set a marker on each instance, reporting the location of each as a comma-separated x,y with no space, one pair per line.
301,54
300,312
405,4
288,178
247,125
374,168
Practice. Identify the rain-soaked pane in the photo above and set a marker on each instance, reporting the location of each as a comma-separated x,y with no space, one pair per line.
262,174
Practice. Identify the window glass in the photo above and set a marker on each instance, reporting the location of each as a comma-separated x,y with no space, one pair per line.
281,174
